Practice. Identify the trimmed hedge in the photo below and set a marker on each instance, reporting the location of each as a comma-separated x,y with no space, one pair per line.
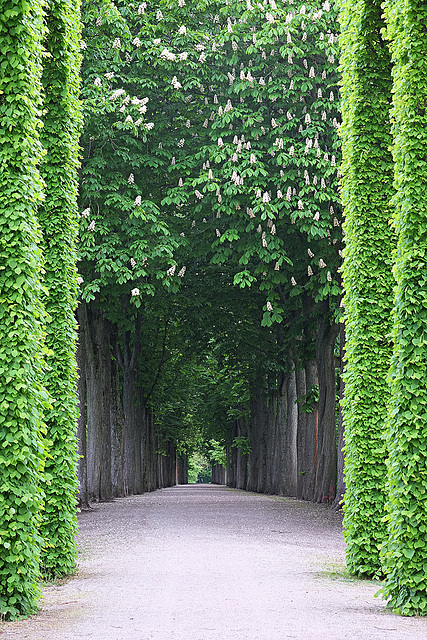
59,221
21,310
367,188
405,554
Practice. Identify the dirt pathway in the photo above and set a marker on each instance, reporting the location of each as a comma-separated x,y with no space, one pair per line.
203,562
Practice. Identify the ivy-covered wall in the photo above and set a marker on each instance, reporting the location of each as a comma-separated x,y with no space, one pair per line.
367,187
21,310
58,218
405,554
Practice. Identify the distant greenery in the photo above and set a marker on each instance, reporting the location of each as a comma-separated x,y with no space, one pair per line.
199,468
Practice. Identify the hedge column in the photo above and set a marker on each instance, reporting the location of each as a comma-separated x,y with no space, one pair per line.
405,558
367,188
21,311
58,218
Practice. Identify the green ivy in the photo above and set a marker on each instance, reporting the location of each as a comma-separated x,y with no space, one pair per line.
21,309
59,222
405,553
367,187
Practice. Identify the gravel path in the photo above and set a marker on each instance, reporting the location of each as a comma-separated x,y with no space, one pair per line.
202,562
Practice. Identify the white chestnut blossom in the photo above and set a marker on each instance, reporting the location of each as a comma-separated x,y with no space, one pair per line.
116,43
85,213
167,55
131,178
182,30
137,201
293,282
135,292
116,94
322,263
269,306
171,270
91,226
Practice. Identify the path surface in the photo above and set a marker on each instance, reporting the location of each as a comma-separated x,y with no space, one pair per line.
204,562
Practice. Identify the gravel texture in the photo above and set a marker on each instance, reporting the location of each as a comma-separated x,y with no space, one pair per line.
202,562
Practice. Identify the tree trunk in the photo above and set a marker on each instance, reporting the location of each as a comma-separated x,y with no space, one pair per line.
337,505
95,334
289,487
117,420
182,470
326,467
308,434
83,498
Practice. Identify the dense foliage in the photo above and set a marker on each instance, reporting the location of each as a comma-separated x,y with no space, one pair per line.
59,223
405,552
21,310
367,189
240,166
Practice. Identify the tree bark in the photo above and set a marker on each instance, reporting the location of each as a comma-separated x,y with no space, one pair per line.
337,505
83,497
326,467
95,334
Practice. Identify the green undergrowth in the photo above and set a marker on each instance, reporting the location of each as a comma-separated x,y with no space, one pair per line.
337,571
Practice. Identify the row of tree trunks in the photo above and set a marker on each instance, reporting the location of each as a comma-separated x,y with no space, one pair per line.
218,474
182,470
117,441
293,436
